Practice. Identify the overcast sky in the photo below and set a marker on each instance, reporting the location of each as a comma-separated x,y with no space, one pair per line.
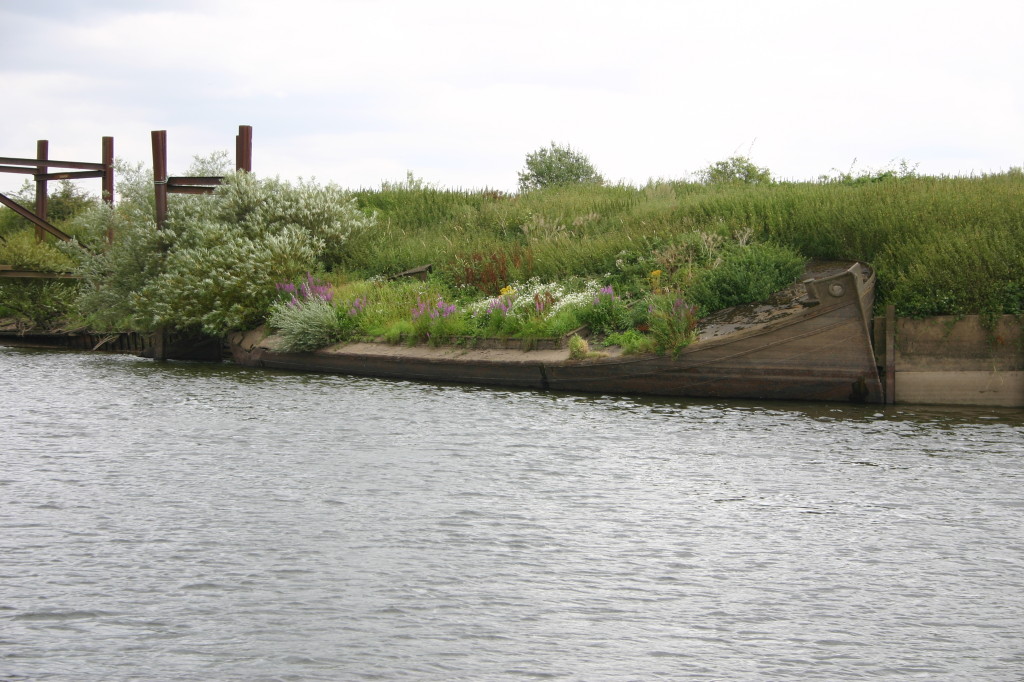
360,91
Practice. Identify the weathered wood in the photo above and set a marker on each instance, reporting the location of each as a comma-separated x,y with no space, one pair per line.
419,273
818,350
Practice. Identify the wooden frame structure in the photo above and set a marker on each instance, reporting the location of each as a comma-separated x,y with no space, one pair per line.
164,184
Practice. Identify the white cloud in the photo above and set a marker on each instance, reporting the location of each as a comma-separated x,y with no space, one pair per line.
357,91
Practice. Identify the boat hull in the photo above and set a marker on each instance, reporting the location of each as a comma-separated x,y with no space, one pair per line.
822,351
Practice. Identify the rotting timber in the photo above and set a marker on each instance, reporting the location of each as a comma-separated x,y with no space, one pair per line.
812,343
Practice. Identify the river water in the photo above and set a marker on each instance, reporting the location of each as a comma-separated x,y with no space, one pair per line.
183,521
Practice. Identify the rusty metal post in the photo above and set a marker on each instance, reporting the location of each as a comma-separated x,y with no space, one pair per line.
42,153
108,179
160,176
108,170
243,149
890,354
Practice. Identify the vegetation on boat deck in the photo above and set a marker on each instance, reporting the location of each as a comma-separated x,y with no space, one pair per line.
638,265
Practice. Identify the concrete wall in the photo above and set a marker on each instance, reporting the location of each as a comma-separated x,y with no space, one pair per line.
956,361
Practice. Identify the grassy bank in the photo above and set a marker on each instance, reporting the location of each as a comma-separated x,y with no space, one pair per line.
940,245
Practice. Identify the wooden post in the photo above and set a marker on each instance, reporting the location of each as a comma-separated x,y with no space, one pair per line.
890,354
42,153
160,176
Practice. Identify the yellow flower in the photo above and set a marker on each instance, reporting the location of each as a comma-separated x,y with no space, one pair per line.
655,273
507,291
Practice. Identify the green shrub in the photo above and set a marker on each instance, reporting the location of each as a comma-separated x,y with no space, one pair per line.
21,250
632,341
115,275
746,274
556,165
735,169
214,266
606,314
38,303
673,323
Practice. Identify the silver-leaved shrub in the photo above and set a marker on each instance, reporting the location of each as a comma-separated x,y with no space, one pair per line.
306,326
214,265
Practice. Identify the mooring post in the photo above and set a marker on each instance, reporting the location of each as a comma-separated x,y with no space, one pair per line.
42,153
160,176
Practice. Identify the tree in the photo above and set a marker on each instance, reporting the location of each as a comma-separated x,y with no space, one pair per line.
735,170
557,165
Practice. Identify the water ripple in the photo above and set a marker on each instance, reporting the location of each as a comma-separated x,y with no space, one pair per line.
177,521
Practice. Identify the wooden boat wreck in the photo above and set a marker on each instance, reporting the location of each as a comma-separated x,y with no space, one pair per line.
812,342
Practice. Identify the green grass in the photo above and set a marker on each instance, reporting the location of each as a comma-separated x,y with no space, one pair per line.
940,245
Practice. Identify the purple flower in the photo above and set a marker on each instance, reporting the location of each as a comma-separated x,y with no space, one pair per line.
358,306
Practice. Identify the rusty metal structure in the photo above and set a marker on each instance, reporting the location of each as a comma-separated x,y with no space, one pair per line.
39,168
164,184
